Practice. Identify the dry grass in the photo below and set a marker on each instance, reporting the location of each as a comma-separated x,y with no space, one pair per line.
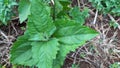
7,36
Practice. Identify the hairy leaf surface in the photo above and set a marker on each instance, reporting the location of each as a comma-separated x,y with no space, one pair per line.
21,50
45,52
73,33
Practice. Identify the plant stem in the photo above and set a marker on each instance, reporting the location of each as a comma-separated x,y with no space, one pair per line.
53,2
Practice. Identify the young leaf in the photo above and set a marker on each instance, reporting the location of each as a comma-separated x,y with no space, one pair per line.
40,22
58,7
24,10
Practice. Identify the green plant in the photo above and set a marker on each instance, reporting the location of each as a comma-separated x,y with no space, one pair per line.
115,65
6,10
75,66
79,16
48,38
82,55
107,6
113,24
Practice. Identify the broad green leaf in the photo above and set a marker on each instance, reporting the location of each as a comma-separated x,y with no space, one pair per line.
74,34
24,10
71,35
21,51
45,52
40,22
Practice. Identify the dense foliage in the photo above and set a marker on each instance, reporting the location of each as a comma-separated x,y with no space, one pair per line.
6,10
51,33
107,6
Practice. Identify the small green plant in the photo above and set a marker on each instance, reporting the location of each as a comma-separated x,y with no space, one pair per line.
82,55
115,65
49,36
6,10
107,6
113,24
75,66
